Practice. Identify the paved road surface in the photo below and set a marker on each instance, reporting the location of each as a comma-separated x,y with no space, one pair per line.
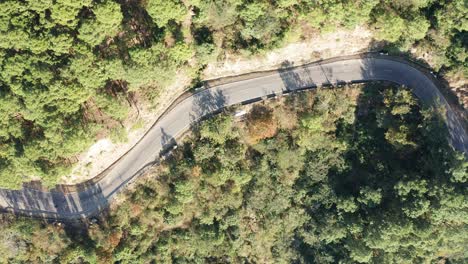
56,204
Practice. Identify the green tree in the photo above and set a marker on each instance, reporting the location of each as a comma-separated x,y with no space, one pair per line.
162,11
260,22
106,23
389,27
64,12
219,14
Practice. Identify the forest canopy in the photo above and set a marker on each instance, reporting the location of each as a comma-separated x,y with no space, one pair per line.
352,175
67,65
332,176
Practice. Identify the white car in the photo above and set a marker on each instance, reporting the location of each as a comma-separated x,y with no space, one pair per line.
240,113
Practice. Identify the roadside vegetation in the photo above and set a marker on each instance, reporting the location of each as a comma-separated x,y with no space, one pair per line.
359,174
71,70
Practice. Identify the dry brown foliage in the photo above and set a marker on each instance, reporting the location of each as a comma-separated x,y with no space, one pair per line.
261,124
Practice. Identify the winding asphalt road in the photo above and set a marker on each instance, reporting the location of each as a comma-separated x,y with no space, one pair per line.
94,197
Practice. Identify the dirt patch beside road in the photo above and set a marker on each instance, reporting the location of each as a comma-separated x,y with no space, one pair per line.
341,42
105,152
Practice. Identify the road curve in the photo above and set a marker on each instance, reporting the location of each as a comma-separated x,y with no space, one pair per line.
92,198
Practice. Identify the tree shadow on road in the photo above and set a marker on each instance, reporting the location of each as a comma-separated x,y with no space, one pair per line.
207,103
55,204
296,78
292,80
167,141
